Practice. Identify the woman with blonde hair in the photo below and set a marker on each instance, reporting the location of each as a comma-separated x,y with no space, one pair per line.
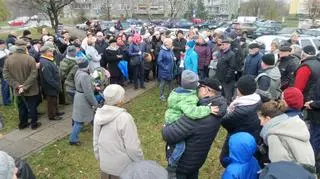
287,137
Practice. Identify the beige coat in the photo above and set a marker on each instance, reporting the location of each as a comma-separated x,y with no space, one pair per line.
115,139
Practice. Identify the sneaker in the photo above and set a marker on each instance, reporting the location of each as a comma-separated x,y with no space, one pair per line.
24,126
57,118
59,113
35,126
75,143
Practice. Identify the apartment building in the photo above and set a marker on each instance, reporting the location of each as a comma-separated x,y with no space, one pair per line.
222,8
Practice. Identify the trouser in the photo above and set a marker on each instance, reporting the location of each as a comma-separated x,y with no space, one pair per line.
315,137
138,75
172,174
76,128
225,153
154,68
71,94
52,106
62,94
107,176
146,75
228,91
162,86
116,80
5,92
27,107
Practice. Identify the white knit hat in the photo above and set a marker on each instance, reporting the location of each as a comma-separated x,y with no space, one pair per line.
113,94
7,166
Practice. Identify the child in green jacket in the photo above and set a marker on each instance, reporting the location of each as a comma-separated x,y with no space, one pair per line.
183,101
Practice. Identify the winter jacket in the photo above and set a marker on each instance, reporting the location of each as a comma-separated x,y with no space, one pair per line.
314,113
34,53
101,47
198,135
11,40
288,139
244,54
191,60
49,75
68,69
244,165
179,46
94,57
145,48
287,66
4,53
134,50
242,116
226,67
165,64
84,98
184,102
20,69
116,142
204,55
252,64
236,48
156,46
112,61
269,81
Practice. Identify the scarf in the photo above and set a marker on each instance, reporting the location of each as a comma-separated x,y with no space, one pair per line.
244,101
272,123
47,57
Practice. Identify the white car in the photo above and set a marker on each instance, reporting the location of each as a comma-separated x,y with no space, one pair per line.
303,41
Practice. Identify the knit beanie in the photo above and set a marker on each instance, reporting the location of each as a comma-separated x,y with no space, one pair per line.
7,166
71,51
309,49
191,43
268,59
113,94
82,62
247,85
293,97
26,32
145,169
189,80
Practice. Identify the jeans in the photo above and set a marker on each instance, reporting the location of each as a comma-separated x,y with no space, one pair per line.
27,107
76,128
5,92
138,75
315,137
162,86
175,155
228,91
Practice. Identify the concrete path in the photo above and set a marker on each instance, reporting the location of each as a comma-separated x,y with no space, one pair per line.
21,143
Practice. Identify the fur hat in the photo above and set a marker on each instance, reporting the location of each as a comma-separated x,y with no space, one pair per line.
113,94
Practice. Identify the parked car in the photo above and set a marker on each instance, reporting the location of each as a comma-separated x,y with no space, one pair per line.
247,29
19,21
178,23
205,24
106,25
274,24
82,26
216,25
264,31
304,40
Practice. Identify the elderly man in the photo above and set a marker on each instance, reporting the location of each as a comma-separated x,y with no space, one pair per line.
198,134
252,62
307,80
50,80
21,72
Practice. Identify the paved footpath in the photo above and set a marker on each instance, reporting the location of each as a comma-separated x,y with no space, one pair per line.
22,143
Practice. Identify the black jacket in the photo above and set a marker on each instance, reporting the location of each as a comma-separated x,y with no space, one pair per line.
287,66
101,48
314,114
179,46
243,119
50,79
226,67
11,40
156,46
112,62
198,135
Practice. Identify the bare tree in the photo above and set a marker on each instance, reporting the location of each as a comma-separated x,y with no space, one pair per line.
176,6
53,8
314,9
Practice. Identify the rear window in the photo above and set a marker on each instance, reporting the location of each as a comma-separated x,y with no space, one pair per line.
305,42
317,43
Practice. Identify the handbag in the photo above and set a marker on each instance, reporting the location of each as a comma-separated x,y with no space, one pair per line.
135,60
123,67
147,57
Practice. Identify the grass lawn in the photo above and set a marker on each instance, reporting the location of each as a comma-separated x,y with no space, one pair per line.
62,161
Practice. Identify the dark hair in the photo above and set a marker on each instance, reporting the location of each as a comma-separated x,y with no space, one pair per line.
272,108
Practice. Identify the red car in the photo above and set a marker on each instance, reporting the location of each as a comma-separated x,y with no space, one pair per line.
197,21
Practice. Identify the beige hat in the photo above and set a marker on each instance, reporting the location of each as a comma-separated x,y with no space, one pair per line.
113,94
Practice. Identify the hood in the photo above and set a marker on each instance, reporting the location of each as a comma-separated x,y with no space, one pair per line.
107,114
245,101
286,126
164,48
273,73
217,100
242,146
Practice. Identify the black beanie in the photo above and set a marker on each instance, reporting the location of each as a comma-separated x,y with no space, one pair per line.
268,59
247,85
26,32
309,49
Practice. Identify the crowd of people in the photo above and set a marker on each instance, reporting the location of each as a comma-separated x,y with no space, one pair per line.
268,102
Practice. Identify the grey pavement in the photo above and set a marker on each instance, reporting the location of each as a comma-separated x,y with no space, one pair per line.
22,143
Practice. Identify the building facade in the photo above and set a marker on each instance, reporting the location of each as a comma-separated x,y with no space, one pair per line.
222,8
299,7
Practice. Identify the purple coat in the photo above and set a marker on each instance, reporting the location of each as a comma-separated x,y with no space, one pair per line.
204,54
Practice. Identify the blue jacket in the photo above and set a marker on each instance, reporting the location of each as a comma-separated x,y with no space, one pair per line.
243,164
165,64
50,78
191,60
252,64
